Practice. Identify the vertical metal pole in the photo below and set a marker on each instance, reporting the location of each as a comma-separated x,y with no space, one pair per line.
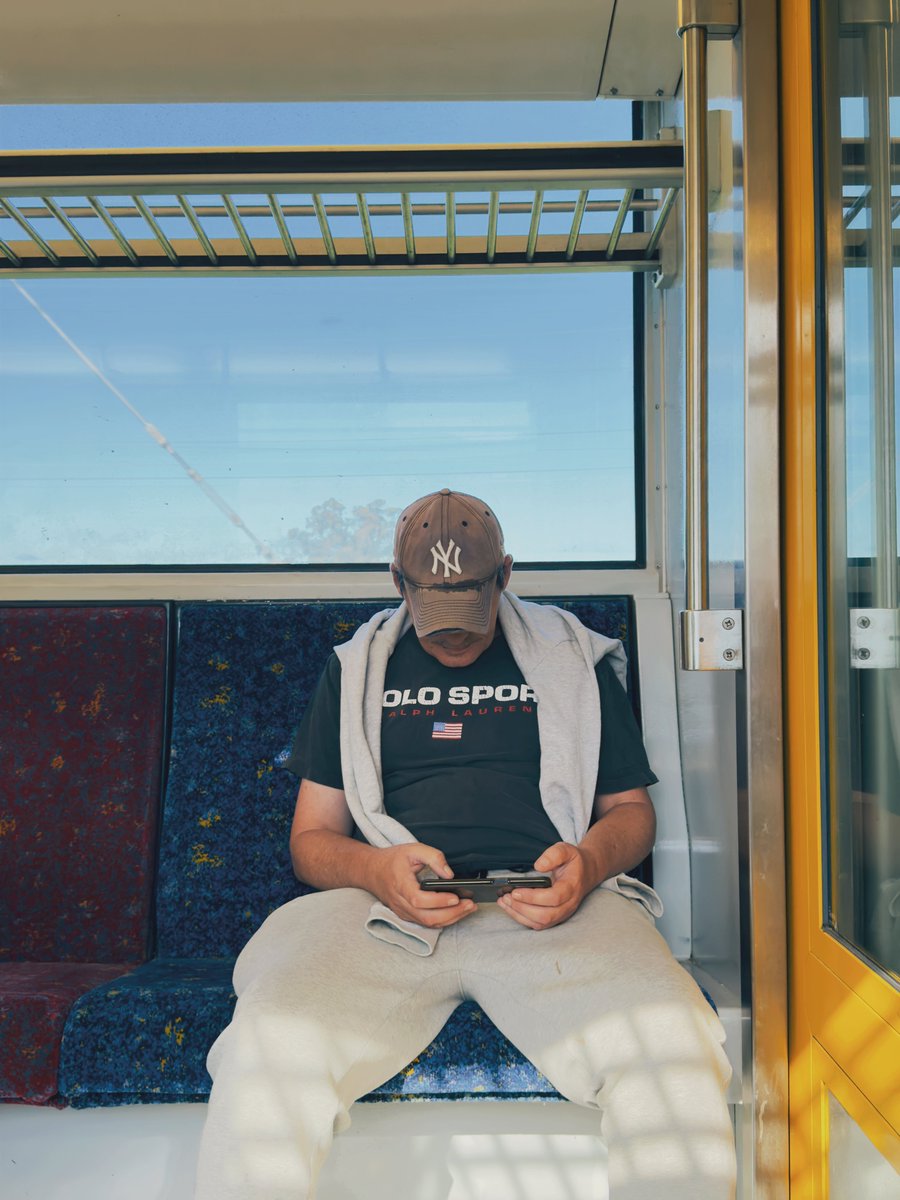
759,688
710,641
696,246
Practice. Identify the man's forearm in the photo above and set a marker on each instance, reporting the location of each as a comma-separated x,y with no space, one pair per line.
326,859
618,841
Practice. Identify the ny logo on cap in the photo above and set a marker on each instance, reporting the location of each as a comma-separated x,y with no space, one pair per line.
442,556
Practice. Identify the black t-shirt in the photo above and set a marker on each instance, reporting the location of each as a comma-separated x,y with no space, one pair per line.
460,752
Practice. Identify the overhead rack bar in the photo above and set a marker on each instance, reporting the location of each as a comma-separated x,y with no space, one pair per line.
278,214
39,211
408,228
241,231
198,229
157,231
450,212
580,206
341,170
10,254
228,211
536,208
325,228
368,239
856,207
113,228
72,231
32,233
619,222
662,218
493,212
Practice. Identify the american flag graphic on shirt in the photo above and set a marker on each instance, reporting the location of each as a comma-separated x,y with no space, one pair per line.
447,730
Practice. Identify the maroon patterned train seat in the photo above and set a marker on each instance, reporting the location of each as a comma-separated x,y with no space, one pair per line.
82,722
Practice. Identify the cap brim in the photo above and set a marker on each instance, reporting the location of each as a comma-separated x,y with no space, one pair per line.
434,609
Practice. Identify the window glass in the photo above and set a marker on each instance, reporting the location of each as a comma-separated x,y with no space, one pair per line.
860,202
286,419
855,1166
248,421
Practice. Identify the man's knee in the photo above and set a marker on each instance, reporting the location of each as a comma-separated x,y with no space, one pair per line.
300,938
664,1057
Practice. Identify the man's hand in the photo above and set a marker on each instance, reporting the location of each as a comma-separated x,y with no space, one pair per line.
326,855
393,880
570,870
621,835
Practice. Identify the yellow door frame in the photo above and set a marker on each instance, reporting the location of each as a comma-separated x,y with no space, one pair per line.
844,1020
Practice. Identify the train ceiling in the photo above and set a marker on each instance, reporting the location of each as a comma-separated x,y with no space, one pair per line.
107,51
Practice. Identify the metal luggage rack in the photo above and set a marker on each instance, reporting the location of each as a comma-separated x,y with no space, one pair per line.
596,206
859,196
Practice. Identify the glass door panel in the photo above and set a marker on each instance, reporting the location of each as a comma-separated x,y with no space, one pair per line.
861,194
855,1166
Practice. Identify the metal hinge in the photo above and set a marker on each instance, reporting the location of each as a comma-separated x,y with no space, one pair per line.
874,638
712,639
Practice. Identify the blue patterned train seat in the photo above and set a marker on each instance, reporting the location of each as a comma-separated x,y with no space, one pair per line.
243,675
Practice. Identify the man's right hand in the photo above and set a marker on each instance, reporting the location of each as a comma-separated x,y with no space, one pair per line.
394,881
326,855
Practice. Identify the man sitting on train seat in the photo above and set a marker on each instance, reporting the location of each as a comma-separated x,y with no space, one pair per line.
462,732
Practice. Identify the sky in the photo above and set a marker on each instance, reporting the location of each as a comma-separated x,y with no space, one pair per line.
45,127
251,420
312,409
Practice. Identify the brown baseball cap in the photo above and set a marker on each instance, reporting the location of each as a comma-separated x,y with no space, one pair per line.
448,548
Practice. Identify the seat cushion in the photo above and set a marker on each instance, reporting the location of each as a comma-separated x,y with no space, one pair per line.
469,1059
35,999
145,1038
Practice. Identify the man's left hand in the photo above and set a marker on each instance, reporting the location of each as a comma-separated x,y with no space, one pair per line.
540,908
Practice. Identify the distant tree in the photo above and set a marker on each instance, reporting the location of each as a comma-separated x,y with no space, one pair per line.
334,534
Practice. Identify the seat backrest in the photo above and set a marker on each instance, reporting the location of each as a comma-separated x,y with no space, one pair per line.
244,674
82,705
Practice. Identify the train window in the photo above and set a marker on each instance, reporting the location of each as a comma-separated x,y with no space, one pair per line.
30,127
204,421
285,420
860,202
855,1166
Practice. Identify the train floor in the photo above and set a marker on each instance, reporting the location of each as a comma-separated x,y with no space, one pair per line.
429,1151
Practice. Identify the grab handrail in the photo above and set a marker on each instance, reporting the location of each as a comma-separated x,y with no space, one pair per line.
711,640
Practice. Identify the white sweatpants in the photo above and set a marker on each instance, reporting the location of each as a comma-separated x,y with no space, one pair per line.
326,1013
